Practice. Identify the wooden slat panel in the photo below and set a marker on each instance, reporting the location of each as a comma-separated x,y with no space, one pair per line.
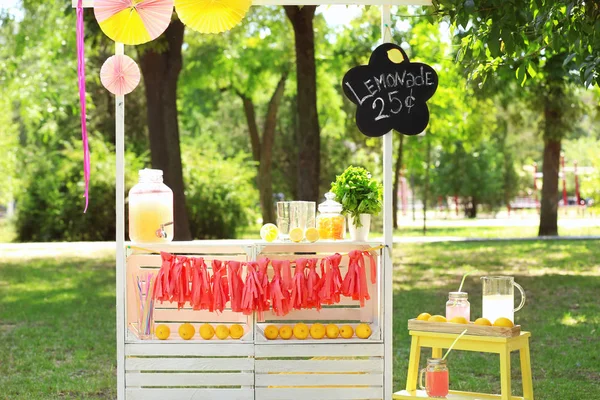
189,349
319,393
193,316
190,394
318,350
325,314
266,366
190,379
319,380
189,364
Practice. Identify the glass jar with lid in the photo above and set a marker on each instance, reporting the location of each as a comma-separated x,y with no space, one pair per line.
330,222
458,306
437,382
151,209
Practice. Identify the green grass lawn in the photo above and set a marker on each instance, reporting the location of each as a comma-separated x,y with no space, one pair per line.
57,318
494,231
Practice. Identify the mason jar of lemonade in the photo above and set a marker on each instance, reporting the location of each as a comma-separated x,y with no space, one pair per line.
151,209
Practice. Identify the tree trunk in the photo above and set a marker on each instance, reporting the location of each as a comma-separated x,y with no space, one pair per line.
426,191
266,153
549,203
309,144
160,69
396,200
262,150
553,131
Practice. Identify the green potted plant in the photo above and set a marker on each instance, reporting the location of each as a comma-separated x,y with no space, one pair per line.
361,197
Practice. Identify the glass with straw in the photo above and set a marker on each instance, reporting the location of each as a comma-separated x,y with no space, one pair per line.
458,302
144,289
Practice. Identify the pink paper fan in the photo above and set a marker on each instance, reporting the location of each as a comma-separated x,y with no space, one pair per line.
120,75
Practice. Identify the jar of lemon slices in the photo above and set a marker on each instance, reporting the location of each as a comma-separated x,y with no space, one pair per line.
330,222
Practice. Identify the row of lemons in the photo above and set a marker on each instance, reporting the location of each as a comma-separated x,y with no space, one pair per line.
317,331
207,332
503,322
270,232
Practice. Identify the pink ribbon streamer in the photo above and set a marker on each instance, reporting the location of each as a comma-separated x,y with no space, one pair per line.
81,80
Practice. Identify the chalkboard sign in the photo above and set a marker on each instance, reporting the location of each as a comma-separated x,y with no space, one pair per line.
390,92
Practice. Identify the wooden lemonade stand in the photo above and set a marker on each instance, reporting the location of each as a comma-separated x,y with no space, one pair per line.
254,367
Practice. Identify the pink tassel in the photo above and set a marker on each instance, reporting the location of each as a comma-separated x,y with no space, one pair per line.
236,285
162,279
355,282
312,285
331,280
298,295
279,295
252,290
263,303
219,286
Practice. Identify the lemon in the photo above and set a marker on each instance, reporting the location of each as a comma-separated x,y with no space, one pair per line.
162,332
222,332
483,321
271,332
269,232
187,331
346,331
459,320
363,331
333,331
301,331
317,331
311,234
296,235
504,322
236,331
437,318
286,332
207,331
423,316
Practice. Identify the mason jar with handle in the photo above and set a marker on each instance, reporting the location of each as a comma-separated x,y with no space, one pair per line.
499,297
437,379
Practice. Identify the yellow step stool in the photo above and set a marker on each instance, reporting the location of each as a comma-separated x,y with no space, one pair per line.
485,344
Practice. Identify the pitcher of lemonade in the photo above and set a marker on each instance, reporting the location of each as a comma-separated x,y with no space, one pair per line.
499,297
151,209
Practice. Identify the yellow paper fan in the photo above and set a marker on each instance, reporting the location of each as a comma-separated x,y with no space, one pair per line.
211,16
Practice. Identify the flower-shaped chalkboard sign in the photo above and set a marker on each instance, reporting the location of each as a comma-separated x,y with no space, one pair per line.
391,92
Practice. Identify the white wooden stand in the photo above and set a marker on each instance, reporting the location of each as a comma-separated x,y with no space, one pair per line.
254,368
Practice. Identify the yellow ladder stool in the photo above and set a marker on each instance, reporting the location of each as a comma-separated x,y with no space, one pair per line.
485,344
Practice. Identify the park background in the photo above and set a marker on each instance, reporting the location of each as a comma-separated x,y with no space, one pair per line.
223,117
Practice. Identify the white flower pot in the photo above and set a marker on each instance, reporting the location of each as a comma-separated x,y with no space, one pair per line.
360,234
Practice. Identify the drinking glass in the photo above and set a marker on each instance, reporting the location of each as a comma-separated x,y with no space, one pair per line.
499,297
144,286
283,219
298,214
311,211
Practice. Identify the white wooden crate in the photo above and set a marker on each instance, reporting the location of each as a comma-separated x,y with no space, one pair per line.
319,371
189,370
347,312
167,313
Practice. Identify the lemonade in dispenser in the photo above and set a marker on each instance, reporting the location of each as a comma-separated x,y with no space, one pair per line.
330,222
151,209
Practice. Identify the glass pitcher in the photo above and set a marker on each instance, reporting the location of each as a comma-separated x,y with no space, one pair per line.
499,297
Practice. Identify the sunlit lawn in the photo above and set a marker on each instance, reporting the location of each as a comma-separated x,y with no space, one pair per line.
494,231
57,318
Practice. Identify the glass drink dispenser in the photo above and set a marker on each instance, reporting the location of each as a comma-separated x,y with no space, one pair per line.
151,209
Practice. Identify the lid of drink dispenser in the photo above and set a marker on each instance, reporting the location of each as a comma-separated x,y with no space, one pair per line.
330,205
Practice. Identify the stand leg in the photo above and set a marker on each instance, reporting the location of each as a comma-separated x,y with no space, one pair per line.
413,364
526,371
436,352
505,374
